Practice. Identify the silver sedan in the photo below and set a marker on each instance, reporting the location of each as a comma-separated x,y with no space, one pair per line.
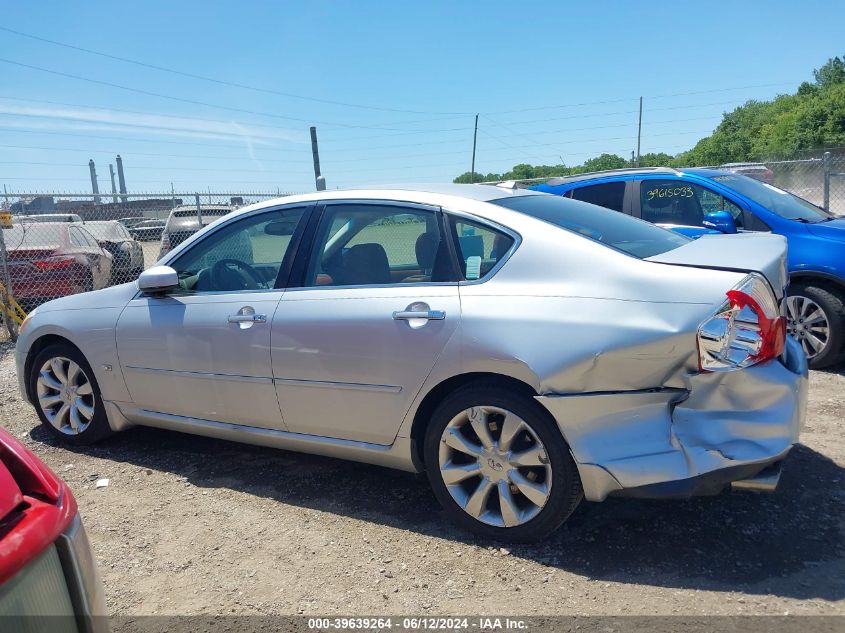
524,350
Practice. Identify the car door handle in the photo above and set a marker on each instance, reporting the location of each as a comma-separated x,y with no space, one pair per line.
247,318
430,315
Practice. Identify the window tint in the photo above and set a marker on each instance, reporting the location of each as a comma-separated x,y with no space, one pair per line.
377,244
679,202
479,247
617,230
609,195
244,255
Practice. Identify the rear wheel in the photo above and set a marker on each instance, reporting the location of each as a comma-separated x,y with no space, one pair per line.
499,465
816,319
67,397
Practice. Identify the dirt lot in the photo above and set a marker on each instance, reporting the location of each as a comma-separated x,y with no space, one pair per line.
194,525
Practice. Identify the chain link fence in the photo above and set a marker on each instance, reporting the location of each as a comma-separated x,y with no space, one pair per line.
57,244
820,179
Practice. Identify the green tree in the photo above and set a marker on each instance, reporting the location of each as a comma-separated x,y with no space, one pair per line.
660,159
468,177
602,162
784,127
833,72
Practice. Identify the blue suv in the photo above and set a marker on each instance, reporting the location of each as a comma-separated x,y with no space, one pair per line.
697,201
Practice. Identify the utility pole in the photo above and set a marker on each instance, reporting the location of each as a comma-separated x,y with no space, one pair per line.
639,131
315,154
474,139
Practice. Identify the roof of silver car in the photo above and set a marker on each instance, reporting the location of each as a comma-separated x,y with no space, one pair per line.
480,192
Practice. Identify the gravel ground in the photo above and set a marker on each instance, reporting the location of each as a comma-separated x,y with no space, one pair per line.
190,525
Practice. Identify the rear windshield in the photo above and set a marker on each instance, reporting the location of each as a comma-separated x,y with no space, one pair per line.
103,231
612,228
32,236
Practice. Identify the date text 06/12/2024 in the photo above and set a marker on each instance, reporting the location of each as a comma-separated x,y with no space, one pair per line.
418,624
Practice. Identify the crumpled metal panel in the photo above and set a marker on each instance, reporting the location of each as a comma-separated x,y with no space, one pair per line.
721,420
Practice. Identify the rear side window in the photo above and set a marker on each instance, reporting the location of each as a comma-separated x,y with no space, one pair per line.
610,195
616,230
479,247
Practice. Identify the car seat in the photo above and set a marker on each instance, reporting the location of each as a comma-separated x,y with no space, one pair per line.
364,264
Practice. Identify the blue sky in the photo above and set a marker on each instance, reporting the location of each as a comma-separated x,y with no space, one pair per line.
392,87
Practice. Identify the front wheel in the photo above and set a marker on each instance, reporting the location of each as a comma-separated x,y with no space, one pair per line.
66,396
816,318
499,466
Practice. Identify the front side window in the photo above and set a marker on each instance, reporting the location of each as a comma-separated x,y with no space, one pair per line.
684,203
361,244
610,195
479,247
242,256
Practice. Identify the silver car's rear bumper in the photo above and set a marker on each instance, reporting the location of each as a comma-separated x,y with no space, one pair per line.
723,427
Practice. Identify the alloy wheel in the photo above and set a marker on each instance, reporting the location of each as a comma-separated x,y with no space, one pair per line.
808,323
494,466
65,395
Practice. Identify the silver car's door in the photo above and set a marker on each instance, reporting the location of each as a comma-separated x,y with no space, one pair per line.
204,351
376,305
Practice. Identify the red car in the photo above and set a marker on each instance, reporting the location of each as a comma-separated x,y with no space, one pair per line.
48,579
49,260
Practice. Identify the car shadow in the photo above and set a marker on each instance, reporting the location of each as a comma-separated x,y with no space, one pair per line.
838,369
743,541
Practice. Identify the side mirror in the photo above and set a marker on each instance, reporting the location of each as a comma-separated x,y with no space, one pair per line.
721,221
158,279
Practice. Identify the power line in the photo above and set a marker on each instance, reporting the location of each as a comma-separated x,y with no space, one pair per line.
222,82
154,167
192,117
650,97
341,161
142,140
194,101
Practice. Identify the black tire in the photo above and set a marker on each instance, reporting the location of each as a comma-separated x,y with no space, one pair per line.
834,308
565,493
98,428
87,283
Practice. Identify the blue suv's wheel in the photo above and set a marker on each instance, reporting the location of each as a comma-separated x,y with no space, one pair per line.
817,320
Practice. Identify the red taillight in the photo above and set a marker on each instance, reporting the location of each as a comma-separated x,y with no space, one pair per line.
54,263
772,327
746,330
43,507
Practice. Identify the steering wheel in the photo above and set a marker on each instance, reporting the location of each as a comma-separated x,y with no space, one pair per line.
233,274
